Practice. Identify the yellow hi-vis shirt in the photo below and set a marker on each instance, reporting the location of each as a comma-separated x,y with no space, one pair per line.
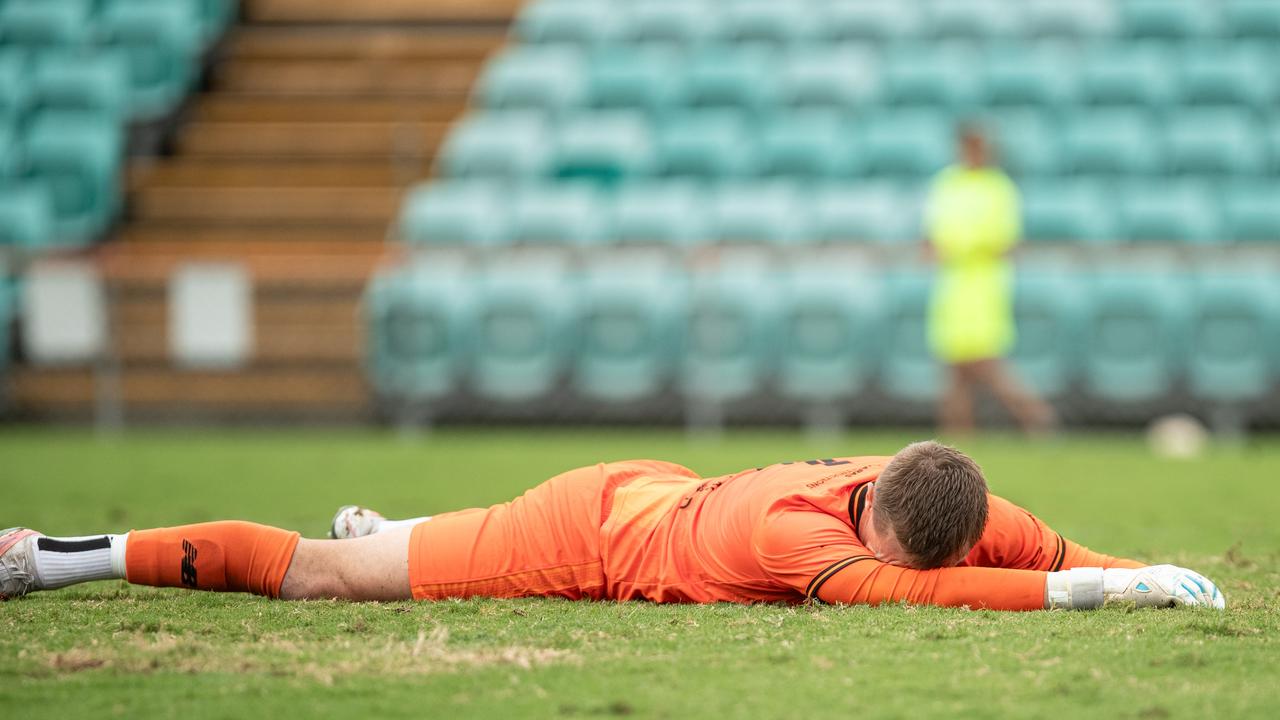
973,219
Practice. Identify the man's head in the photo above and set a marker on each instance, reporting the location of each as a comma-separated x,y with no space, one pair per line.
928,507
972,146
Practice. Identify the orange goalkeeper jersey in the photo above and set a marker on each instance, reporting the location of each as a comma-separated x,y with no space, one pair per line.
786,532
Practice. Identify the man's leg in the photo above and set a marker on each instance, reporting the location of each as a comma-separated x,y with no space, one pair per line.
375,567
1033,414
955,411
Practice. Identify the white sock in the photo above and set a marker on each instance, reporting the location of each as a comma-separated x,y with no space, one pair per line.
62,561
386,525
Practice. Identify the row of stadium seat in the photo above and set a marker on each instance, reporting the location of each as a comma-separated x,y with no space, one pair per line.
955,78
613,144
684,214
798,21
77,23
625,334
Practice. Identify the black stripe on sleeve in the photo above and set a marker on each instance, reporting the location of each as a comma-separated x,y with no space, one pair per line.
1060,556
811,592
49,544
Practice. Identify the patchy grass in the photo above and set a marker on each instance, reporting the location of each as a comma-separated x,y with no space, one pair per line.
107,649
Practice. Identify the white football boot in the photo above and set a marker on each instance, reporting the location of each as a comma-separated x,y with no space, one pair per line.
353,521
17,562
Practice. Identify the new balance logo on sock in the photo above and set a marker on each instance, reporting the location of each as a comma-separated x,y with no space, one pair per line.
188,564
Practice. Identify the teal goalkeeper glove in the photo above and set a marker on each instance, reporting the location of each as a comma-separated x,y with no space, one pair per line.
1152,586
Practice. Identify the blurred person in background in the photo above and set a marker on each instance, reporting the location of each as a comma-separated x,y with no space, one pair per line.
973,221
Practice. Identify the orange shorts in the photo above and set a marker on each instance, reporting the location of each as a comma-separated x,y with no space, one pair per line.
545,542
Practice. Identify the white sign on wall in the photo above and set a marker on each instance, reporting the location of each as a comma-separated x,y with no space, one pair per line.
64,313
210,316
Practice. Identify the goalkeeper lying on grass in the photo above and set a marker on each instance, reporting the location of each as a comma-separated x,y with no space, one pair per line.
918,526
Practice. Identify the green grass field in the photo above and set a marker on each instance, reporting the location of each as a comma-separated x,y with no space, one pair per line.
107,649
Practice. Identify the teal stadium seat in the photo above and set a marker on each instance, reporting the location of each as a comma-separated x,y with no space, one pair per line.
509,145
629,334
1111,141
1022,75
910,373
1271,133
1135,333
730,337
1184,211
559,214
1251,211
975,19
910,143
420,322
10,149
1076,19
1058,209
581,22
1027,143
933,75
78,158
549,78
706,144
1234,332
215,17
726,76
1258,19
832,78
523,333
828,338
1226,74
26,216
161,42
1169,19
876,212
605,146
1133,74
1214,141
807,144
671,213
46,24
769,22
764,212
626,77
84,82
679,23
1049,312
14,92
456,212
882,22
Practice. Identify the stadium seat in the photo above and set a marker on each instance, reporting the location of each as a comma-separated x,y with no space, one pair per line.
580,22
862,212
906,143
458,212
14,92
625,77
1258,19
26,215
806,144
1251,211
568,214
725,76
95,83
216,16
769,22
604,146
1019,75
78,159
46,24
833,78
909,372
730,337
1111,141
1233,335
10,149
547,78
1184,211
673,213
707,144
1057,209
871,21
1027,143
1225,74
679,23
1168,19
1049,313
523,332
1134,74
1217,141
629,331
420,325
1070,18
160,41
828,319
1135,333
768,212
974,19
512,145
940,76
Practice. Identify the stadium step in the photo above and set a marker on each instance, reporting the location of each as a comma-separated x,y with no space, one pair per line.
345,42
318,139
223,172
426,78
340,206
198,241
380,11
269,108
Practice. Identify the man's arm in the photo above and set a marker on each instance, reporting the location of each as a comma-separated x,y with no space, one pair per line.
1014,538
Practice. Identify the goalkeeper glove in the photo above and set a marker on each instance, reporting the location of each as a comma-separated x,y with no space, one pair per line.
1152,586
